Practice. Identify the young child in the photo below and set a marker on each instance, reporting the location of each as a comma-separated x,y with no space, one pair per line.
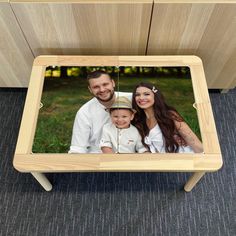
120,136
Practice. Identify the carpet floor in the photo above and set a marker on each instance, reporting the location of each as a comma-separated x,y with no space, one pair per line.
119,204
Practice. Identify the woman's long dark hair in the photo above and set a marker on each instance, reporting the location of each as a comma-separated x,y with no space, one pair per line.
165,116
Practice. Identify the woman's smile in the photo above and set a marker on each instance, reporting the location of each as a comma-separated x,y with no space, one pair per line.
144,97
141,101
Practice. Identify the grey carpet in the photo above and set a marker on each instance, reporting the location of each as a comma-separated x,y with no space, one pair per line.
117,203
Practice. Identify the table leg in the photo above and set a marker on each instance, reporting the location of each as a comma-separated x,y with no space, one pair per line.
193,180
42,179
224,91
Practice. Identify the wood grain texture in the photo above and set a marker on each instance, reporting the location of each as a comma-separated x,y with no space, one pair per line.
31,109
85,29
124,1
210,160
123,163
84,1
194,1
16,58
205,30
76,60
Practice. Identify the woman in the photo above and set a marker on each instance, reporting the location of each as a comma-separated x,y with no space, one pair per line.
161,127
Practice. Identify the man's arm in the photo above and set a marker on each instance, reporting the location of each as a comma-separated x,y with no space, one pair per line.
105,143
80,133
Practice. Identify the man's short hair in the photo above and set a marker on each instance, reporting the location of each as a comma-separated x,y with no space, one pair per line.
96,74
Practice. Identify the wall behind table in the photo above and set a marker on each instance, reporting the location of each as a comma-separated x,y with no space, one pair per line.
118,28
89,29
16,58
207,30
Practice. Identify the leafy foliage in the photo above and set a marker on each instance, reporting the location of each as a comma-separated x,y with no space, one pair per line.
128,71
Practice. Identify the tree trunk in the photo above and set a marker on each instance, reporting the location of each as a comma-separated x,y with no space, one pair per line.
64,72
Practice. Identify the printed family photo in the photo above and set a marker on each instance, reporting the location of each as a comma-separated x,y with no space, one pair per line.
117,110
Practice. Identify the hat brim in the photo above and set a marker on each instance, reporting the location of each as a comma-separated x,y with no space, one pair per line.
120,107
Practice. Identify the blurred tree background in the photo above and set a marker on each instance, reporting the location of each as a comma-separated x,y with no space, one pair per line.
129,71
66,90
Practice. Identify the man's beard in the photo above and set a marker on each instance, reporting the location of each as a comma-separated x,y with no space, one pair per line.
108,99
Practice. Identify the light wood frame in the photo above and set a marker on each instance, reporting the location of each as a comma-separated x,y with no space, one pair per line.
199,163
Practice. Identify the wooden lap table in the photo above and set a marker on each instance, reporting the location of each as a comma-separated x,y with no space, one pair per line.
37,164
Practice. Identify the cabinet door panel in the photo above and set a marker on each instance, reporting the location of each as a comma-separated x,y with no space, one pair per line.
86,29
205,30
16,57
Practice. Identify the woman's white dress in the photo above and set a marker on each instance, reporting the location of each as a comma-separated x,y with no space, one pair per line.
156,144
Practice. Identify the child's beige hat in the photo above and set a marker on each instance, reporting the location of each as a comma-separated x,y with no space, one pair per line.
121,102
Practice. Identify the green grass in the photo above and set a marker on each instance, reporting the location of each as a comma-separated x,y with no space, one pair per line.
62,98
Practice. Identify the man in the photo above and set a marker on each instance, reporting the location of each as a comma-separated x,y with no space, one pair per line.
91,117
